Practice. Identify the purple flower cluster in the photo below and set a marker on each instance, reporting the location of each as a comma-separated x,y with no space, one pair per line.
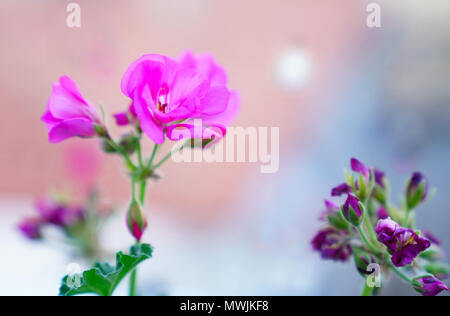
51,212
365,224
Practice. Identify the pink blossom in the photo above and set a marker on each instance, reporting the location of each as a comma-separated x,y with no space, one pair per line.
68,114
170,93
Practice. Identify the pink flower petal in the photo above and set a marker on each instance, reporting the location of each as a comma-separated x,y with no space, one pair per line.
148,125
69,128
226,117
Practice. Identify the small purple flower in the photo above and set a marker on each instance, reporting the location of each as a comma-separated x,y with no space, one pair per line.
330,208
432,238
332,244
403,243
342,188
58,214
430,286
353,210
358,166
379,177
382,213
31,228
417,189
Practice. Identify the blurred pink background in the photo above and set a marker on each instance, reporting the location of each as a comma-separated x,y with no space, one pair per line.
246,37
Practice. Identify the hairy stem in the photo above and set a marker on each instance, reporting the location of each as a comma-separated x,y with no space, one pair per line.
367,290
123,153
367,242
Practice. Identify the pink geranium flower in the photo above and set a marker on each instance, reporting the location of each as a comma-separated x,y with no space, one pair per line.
68,114
170,93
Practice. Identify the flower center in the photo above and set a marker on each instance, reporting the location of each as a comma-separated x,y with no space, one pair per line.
162,103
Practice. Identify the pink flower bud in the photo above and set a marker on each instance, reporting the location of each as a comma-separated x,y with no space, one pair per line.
136,221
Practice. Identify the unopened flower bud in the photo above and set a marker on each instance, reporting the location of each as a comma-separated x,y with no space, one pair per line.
362,262
129,143
100,130
333,216
440,270
416,190
353,210
31,228
429,285
107,147
380,190
433,253
136,221
342,188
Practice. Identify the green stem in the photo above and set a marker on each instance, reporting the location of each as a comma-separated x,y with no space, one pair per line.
401,274
133,282
405,221
366,241
152,157
370,230
142,188
139,154
133,189
367,290
123,153
163,160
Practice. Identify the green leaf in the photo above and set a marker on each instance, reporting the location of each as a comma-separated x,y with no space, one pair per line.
103,278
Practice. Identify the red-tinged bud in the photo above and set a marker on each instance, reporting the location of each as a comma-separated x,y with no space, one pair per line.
136,221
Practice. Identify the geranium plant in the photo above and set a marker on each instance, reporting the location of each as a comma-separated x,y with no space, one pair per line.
166,96
375,233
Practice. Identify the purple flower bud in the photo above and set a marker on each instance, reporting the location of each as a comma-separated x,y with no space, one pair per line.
379,178
332,215
342,188
127,117
57,213
417,189
330,208
382,213
430,286
31,228
358,166
362,262
403,243
439,270
332,244
136,221
428,235
353,210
